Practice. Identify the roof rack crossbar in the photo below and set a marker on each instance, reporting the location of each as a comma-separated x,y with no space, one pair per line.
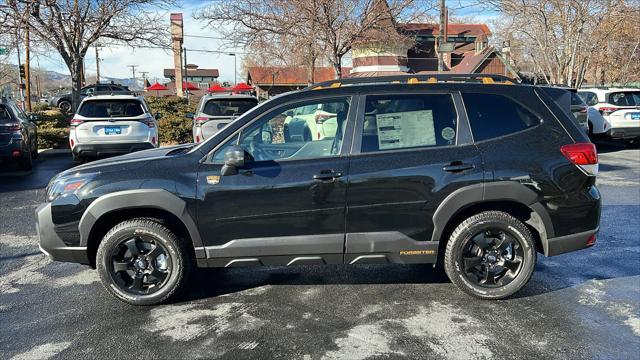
414,78
122,92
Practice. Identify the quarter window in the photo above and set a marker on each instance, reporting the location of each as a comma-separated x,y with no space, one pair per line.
408,121
492,115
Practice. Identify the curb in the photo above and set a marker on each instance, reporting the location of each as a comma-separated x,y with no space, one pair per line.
53,151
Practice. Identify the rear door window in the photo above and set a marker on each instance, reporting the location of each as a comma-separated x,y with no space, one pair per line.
111,108
408,121
5,117
228,107
589,98
625,98
492,115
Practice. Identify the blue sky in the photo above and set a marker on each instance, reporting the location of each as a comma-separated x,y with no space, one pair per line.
114,60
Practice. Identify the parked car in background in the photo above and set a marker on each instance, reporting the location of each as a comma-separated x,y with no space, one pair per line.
18,135
462,173
580,110
63,101
112,125
619,109
312,122
214,112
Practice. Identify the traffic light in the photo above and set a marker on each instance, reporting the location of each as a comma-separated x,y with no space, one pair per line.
22,73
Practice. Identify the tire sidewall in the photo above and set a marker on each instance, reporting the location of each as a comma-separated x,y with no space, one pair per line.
109,245
454,263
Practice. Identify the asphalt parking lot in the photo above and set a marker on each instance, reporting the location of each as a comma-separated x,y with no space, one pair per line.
579,305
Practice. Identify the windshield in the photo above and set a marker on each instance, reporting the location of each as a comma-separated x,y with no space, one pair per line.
625,98
111,108
228,107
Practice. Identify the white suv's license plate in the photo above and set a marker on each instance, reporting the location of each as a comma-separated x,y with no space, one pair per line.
635,116
112,130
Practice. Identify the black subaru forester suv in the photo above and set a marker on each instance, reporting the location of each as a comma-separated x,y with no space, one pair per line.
471,171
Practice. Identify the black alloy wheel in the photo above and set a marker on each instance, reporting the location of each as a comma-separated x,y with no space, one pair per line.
140,265
142,262
490,255
492,258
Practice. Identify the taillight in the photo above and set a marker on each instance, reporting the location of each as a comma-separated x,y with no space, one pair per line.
149,122
197,138
608,110
200,120
583,155
12,127
321,118
75,122
583,109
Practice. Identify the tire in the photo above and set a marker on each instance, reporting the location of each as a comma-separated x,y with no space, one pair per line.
146,237
34,152
495,243
65,106
26,161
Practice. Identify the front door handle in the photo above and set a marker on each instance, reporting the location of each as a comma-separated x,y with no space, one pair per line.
458,166
327,175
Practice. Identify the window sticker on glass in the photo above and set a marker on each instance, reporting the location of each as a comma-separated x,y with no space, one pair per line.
405,129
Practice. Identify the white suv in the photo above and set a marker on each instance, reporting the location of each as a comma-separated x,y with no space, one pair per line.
613,112
111,125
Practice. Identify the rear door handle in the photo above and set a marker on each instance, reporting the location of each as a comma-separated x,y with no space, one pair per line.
458,166
327,175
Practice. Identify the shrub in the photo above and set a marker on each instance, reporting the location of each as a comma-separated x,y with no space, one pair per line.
53,138
39,107
174,127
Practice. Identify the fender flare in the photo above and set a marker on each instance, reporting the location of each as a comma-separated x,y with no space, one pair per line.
494,191
140,198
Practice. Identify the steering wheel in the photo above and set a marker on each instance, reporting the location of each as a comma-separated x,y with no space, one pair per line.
257,152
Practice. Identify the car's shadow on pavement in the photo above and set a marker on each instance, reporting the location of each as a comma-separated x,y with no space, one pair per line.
608,146
209,283
44,168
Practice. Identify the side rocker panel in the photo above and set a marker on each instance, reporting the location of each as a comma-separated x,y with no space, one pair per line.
141,198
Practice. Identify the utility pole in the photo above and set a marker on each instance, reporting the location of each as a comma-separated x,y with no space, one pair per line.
441,39
19,72
144,78
186,75
27,71
133,71
97,63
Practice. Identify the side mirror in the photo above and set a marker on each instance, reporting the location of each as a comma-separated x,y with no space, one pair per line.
158,116
233,159
189,115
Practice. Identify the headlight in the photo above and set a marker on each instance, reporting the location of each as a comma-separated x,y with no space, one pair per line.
67,185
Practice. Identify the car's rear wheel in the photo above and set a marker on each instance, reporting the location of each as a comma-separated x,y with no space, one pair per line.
142,262
65,106
490,255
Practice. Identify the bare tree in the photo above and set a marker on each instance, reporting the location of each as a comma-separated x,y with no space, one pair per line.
72,26
563,39
327,28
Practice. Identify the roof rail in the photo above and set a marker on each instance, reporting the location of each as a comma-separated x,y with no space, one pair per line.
122,92
414,79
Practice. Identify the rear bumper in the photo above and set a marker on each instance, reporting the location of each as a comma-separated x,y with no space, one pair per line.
51,245
107,149
569,243
6,151
624,132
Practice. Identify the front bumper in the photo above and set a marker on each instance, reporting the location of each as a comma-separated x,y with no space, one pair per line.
51,245
92,150
624,132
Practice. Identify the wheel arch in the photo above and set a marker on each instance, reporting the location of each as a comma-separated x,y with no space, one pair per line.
508,196
110,209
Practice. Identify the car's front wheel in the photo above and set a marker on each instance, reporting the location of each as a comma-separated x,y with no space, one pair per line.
142,262
65,106
490,255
